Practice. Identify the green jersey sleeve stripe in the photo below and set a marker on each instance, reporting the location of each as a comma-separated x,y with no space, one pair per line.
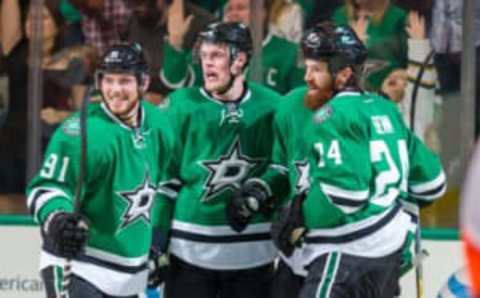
184,82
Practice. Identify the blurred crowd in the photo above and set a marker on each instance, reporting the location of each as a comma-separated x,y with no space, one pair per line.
414,54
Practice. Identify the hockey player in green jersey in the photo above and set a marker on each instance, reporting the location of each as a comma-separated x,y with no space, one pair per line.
220,244
129,144
363,162
290,166
280,70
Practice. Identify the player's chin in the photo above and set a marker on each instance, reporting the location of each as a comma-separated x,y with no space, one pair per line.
119,109
315,98
213,86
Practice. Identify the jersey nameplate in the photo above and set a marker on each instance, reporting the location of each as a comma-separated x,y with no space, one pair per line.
382,124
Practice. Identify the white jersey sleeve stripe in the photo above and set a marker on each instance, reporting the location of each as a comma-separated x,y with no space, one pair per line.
40,196
344,193
428,186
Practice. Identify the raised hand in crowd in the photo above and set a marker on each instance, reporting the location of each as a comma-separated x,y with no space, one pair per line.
416,25
177,23
360,26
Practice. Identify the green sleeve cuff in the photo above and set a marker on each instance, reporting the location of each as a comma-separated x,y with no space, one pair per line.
57,204
174,72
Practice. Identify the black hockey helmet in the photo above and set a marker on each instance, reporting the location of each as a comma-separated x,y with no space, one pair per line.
236,35
339,46
124,58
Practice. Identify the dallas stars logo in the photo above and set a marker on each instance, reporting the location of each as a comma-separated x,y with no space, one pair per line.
139,202
303,177
228,171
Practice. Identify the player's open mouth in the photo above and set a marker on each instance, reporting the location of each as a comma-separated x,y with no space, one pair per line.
117,101
211,76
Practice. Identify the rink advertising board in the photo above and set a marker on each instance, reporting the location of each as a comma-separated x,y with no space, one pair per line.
20,247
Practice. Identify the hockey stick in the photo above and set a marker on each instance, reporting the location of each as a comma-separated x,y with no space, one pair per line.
418,233
67,270
418,257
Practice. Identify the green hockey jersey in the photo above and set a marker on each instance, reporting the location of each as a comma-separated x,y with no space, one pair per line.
222,145
289,173
280,67
123,168
289,153
363,161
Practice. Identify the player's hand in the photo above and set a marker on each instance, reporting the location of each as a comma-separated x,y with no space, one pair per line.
67,232
53,116
157,268
251,198
289,230
177,23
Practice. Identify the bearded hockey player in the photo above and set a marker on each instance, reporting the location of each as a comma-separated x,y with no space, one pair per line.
363,161
220,244
129,143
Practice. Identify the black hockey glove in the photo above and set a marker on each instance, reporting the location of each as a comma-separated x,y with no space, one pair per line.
66,233
289,229
157,268
252,197
158,259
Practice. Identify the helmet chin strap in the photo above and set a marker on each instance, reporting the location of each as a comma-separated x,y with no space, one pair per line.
229,85
131,118
232,77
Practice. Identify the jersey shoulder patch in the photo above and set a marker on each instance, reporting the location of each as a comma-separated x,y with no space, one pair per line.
323,114
71,126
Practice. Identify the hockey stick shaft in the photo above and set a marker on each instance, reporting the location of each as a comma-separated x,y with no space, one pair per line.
67,270
418,233
83,151
418,252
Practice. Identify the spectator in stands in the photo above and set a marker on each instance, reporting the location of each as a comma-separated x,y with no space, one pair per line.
151,21
423,7
286,20
280,70
400,84
211,6
103,21
381,26
446,38
73,20
322,11
62,75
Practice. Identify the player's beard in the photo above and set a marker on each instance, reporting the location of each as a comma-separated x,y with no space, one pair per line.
130,117
316,97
